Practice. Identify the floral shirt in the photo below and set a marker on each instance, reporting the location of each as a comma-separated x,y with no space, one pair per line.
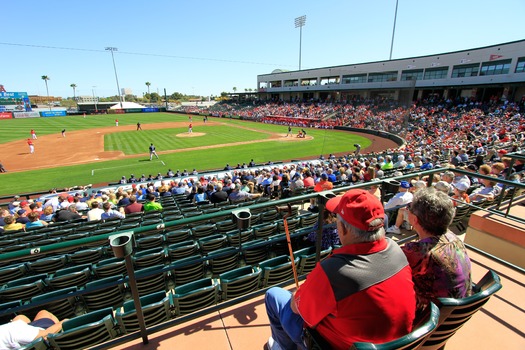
330,238
440,268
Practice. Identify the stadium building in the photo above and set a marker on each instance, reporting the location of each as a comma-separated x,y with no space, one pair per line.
496,71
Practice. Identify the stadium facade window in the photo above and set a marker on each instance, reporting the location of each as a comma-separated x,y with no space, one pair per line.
413,74
435,73
329,80
276,84
288,83
466,70
309,82
520,67
354,79
382,77
495,68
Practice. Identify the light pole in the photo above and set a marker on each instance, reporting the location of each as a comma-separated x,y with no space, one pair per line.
393,31
300,22
111,49
94,99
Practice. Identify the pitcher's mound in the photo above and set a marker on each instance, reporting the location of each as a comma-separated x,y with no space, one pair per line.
193,134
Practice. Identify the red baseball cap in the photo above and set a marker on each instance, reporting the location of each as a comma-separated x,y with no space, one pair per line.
359,208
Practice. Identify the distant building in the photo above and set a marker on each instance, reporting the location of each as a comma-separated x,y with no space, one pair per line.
496,71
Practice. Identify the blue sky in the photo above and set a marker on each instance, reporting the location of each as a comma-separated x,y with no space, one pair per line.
206,47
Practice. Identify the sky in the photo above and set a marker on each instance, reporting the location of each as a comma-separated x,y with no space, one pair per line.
208,47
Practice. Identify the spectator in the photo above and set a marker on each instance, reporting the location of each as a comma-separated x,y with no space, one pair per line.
200,196
68,214
346,303
34,220
151,204
22,331
219,195
47,214
401,198
111,213
133,206
96,212
10,224
460,196
329,237
487,192
439,261
238,195
21,216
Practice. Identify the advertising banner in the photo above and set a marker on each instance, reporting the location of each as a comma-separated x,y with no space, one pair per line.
6,115
54,114
119,111
18,115
133,110
147,110
13,95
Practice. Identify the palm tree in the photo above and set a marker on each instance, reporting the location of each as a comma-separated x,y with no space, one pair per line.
74,86
45,78
234,89
148,85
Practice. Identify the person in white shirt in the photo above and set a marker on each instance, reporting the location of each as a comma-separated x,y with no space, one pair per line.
402,198
95,213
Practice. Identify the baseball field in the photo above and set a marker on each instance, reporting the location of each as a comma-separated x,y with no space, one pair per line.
95,151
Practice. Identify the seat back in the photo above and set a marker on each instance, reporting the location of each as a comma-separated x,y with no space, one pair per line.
455,312
223,260
188,269
110,267
238,282
111,295
276,270
182,250
61,308
412,340
195,295
85,331
156,308
307,259
23,288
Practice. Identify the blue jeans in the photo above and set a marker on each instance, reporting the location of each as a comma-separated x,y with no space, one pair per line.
287,326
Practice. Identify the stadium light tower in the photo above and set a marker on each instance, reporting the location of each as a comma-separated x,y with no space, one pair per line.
299,23
393,31
111,49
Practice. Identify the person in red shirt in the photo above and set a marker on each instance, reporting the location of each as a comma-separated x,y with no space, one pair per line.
31,146
116,122
362,293
190,129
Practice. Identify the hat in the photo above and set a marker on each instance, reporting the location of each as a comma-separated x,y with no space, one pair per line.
419,184
16,204
359,208
21,212
472,167
442,186
324,176
462,186
24,203
405,184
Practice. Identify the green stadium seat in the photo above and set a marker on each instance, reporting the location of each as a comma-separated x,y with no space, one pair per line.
455,312
156,308
195,296
85,331
239,282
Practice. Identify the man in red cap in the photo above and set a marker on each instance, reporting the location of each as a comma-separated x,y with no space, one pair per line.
362,292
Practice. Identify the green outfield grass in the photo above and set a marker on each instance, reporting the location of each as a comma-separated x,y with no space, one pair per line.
133,142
